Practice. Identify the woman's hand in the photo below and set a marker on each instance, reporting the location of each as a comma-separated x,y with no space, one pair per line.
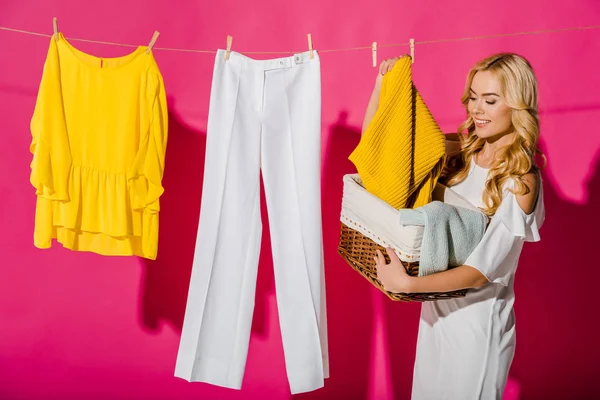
385,67
393,276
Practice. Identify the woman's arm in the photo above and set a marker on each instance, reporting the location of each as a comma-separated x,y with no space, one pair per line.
384,67
373,104
462,277
394,278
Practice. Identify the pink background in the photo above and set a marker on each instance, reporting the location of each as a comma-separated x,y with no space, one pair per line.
82,326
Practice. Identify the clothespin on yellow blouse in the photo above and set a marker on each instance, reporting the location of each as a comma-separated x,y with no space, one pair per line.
55,27
412,50
152,41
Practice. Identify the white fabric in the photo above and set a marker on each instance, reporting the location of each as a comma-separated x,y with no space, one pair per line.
380,222
263,115
466,345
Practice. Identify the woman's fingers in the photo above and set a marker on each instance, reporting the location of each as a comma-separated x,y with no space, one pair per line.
391,253
383,67
387,65
379,259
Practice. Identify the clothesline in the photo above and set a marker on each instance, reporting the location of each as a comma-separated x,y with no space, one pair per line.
539,32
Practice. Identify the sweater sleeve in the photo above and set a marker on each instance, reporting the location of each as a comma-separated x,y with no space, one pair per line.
51,161
147,175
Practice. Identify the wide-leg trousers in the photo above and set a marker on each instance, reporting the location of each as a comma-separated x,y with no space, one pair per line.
265,115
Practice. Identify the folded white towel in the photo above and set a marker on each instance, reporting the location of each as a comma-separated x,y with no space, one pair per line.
377,220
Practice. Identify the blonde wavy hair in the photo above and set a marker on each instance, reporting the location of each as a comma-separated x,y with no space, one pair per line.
519,88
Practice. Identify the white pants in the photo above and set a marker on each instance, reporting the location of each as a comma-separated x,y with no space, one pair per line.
263,115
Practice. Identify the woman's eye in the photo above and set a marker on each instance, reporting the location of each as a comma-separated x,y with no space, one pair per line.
472,98
491,102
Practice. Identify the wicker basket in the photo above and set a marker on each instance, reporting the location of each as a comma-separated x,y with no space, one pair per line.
359,251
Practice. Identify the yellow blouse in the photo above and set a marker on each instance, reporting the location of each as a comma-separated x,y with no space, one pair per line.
99,136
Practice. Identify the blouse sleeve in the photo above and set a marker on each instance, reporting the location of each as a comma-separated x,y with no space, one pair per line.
497,254
149,166
49,146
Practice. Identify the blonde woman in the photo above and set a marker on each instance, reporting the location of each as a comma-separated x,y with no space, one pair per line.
466,345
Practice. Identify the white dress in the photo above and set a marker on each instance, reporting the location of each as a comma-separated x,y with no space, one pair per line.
466,345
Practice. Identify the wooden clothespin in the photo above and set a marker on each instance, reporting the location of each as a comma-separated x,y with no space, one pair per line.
310,46
152,41
412,50
55,27
229,42
374,51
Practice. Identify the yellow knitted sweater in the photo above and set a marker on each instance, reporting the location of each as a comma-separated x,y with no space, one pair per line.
400,156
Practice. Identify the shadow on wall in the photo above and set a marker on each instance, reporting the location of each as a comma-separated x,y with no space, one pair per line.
349,316
555,285
165,281
349,298
556,290
554,344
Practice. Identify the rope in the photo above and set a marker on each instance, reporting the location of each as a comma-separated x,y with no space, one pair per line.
462,39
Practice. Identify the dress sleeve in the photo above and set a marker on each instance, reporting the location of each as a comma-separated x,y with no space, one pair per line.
497,254
51,161
149,166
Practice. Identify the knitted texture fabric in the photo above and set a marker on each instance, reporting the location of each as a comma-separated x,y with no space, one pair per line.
451,233
400,156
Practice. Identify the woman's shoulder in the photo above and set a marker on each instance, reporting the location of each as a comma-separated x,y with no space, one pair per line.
523,213
528,200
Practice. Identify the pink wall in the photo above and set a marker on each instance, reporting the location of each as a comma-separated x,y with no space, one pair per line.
75,325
